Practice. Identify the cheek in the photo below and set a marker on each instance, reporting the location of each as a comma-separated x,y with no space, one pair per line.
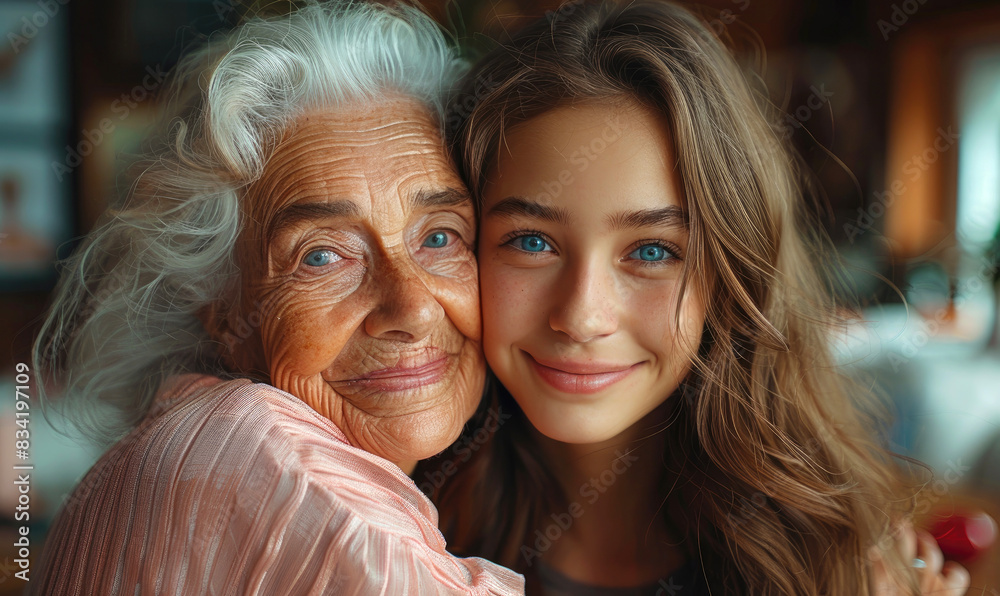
651,312
305,333
461,306
511,303
675,335
459,296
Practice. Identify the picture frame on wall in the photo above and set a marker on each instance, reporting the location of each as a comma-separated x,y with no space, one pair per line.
36,213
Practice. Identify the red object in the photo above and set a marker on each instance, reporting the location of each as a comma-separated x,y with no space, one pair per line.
965,536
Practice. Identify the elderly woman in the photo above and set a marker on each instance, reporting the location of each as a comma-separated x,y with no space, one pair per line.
283,315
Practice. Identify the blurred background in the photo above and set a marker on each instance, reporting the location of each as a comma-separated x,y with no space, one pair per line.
895,105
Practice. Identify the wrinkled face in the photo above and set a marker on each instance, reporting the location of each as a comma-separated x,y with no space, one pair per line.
581,250
358,266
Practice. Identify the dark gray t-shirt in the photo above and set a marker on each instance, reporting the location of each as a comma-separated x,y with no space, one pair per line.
686,581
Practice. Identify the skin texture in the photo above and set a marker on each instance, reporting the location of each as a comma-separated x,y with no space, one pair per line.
593,186
357,264
585,299
561,283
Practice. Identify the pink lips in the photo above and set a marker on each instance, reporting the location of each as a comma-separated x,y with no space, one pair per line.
408,374
581,377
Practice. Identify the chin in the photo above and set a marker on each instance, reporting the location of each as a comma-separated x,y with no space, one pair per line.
432,432
573,429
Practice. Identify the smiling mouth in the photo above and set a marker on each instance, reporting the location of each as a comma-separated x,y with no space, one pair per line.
581,377
409,373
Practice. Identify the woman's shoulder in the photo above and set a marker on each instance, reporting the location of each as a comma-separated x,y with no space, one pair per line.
243,441
243,425
204,434
244,484
232,445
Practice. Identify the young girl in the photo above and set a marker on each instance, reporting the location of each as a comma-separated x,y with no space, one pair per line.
670,419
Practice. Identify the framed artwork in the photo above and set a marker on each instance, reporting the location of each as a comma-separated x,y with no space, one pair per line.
34,79
36,214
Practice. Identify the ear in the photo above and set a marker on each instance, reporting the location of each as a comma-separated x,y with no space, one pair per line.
238,343
218,329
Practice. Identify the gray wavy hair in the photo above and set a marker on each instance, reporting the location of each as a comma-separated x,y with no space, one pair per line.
125,311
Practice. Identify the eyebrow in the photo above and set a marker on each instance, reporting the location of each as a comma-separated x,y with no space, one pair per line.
300,212
448,197
520,206
672,216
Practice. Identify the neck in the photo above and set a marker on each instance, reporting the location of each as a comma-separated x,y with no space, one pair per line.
613,531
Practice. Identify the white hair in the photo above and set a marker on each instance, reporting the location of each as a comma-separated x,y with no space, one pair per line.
125,312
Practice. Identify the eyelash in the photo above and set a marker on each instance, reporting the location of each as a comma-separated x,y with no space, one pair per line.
455,239
667,246
506,240
456,236
670,247
315,268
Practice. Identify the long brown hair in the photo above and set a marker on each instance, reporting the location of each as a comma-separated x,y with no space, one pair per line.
782,477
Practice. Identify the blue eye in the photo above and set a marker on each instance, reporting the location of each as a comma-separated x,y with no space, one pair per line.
436,240
531,243
650,253
321,257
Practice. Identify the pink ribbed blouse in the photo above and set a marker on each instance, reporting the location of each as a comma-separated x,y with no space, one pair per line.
232,487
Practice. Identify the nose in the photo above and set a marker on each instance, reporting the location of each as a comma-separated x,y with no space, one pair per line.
405,309
588,308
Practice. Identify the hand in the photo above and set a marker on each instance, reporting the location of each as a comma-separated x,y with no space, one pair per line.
937,577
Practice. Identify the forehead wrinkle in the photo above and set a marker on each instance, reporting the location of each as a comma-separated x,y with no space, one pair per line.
397,130
406,130
319,157
306,178
321,162
415,136
379,192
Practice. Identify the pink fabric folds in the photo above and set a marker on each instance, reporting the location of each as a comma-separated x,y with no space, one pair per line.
232,487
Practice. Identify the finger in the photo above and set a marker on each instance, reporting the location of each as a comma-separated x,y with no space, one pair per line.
906,540
956,579
930,553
